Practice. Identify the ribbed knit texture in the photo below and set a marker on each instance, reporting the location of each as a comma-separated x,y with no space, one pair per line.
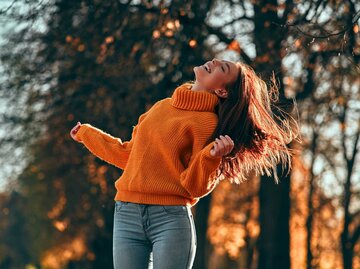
167,161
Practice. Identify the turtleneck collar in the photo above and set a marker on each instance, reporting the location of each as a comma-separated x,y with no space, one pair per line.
184,98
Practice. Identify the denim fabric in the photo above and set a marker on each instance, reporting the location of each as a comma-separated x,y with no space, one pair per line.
153,236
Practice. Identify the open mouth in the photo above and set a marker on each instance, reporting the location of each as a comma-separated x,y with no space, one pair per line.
207,68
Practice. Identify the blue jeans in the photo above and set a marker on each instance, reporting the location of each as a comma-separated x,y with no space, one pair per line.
153,236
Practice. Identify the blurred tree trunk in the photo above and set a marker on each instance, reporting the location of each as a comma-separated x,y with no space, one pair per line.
349,238
95,69
90,66
249,239
309,219
274,239
351,228
201,222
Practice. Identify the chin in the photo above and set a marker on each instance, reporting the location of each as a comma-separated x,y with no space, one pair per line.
196,70
199,72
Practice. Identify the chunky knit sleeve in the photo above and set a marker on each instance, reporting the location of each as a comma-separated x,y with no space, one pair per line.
106,147
195,178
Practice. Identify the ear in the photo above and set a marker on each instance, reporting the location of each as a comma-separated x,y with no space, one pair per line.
222,93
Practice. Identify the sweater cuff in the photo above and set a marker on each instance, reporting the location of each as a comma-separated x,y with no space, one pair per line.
83,128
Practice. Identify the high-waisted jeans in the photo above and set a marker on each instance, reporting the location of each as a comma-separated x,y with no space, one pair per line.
153,236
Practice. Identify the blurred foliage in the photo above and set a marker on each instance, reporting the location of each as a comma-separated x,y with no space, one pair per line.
106,62
99,62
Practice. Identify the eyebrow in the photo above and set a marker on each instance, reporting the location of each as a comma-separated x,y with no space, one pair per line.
227,66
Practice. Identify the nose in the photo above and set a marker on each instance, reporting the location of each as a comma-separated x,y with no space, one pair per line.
215,61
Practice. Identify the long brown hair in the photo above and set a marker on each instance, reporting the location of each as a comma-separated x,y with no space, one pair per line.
259,128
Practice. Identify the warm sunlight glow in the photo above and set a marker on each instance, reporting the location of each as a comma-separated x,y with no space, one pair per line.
59,256
109,39
68,38
288,81
156,34
192,43
235,46
164,11
356,28
326,226
61,225
58,208
233,219
170,25
177,23
81,47
169,33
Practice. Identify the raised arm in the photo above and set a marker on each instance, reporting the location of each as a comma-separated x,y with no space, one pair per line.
204,162
103,145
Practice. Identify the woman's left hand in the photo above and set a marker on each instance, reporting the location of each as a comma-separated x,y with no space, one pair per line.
222,146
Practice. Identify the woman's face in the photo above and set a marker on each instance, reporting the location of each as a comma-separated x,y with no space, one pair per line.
215,74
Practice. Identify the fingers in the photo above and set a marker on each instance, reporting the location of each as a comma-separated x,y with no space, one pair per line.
214,150
222,146
77,127
74,130
228,144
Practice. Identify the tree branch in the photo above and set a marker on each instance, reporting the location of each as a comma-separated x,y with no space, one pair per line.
331,164
309,85
244,17
318,4
296,24
342,118
3,11
288,7
227,40
355,149
355,236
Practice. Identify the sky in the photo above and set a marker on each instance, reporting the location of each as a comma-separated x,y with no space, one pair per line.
5,169
4,26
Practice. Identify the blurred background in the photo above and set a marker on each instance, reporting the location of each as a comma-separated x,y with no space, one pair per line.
107,62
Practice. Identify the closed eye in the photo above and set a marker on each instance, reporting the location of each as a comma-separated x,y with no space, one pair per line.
223,69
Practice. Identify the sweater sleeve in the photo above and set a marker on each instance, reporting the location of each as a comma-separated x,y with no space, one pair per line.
106,147
195,178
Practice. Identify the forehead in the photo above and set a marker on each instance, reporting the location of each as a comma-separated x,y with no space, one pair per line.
232,65
233,69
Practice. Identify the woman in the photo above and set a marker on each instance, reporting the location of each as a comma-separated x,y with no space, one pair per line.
220,126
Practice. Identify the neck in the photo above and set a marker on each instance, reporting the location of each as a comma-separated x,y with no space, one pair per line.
197,87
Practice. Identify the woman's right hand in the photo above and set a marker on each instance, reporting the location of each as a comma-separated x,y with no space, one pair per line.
222,146
75,130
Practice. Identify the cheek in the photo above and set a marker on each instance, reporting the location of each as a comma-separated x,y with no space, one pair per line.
214,79
217,78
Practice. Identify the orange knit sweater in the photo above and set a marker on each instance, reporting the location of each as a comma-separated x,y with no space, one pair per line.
167,161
